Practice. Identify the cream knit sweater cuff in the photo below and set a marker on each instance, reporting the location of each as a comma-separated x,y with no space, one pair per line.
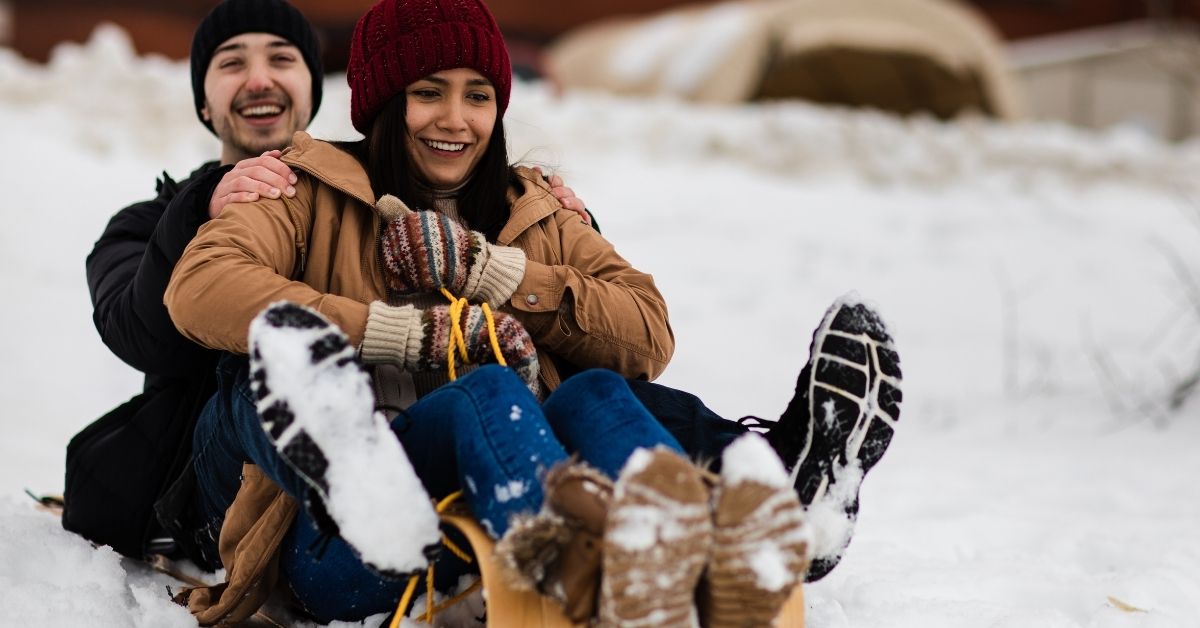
393,335
500,274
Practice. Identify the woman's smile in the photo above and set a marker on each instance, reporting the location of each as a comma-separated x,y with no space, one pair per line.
449,149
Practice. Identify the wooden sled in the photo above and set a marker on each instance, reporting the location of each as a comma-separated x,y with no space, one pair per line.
507,607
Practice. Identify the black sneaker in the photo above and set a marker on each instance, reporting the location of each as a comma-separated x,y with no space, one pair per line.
845,410
317,408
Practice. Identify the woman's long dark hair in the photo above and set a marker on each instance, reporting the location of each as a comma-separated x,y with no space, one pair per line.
483,202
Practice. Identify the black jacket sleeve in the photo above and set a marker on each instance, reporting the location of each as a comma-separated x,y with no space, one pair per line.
130,265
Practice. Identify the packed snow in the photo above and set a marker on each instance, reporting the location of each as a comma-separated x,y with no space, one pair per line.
751,459
831,527
1040,282
513,489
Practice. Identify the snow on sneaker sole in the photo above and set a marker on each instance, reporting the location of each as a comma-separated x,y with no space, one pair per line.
317,408
656,542
854,405
760,540
853,395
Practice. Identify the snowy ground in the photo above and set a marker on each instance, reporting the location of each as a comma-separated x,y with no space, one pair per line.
1032,275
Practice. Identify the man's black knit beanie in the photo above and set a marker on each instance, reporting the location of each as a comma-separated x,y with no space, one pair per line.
234,17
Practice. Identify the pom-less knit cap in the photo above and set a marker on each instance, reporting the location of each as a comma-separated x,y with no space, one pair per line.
398,42
235,17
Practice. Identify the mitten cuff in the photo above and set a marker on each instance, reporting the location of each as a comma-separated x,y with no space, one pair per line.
499,275
390,333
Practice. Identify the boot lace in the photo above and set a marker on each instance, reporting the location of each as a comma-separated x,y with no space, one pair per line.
756,423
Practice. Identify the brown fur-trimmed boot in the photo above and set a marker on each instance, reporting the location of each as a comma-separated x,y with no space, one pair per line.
656,543
760,542
557,552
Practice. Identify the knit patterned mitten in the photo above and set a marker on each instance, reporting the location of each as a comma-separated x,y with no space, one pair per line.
419,340
426,251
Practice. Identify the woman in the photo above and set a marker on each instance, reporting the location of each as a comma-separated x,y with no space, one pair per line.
364,277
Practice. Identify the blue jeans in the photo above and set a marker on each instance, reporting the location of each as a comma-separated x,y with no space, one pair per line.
704,434
484,433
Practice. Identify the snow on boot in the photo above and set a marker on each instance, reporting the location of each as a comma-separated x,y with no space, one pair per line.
760,540
316,407
557,552
840,422
656,542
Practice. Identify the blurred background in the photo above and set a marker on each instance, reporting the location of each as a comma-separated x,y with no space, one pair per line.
1090,63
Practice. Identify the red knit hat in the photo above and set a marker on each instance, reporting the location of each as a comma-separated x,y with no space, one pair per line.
398,42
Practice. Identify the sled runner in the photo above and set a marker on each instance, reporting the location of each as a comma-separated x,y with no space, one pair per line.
509,607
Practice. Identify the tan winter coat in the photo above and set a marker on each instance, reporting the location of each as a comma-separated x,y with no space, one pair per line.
580,301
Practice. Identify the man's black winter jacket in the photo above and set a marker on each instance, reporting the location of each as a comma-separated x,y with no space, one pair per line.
123,463
128,271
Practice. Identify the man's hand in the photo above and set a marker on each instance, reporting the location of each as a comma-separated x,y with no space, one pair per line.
566,196
263,176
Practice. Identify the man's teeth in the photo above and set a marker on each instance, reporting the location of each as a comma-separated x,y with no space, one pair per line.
262,110
445,145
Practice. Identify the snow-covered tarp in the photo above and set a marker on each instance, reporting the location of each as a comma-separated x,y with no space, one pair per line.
1036,279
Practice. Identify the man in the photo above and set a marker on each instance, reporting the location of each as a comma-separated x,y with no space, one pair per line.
256,79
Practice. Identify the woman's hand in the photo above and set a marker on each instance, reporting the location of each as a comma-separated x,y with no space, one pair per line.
514,342
421,340
426,251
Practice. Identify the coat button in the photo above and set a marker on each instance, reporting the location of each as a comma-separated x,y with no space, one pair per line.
531,299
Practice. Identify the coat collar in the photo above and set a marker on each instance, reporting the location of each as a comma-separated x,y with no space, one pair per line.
331,165
530,205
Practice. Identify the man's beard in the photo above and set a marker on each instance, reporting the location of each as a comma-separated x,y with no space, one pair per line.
251,141
254,144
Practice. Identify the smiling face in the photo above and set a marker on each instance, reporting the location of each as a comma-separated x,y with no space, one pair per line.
257,93
449,116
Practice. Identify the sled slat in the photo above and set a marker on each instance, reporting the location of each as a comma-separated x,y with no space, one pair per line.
792,613
505,605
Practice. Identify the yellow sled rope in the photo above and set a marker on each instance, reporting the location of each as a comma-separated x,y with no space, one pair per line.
430,610
457,305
